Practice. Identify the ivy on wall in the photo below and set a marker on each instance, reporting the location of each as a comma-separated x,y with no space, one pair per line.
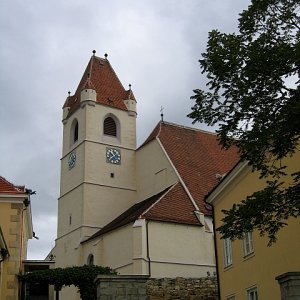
82,277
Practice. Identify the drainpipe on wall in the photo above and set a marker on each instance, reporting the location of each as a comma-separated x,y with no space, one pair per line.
148,254
22,238
216,254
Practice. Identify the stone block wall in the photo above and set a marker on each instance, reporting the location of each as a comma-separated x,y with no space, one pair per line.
182,289
121,287
144,288
289,285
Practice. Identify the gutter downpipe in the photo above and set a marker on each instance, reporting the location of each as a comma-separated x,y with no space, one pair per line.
22,239
148,255
216,253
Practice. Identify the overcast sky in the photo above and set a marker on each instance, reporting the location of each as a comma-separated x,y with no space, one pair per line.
44,48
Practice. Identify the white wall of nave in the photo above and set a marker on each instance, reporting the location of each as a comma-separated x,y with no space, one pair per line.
154,171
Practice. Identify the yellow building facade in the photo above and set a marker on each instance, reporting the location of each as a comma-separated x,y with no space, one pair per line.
247,268
16,229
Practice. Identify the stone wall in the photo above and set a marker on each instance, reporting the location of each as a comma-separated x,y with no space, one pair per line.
182,289
289,285
121,287
143,288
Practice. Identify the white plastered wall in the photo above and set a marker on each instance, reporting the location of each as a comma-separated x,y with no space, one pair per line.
154,171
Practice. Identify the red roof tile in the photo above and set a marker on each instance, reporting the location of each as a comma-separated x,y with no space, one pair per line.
174,206
197,156
100,75
7,187
171,205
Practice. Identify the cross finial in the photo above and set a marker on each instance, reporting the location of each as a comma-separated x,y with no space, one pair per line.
161,113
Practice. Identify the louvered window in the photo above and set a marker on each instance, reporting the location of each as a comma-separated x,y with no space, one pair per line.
110,127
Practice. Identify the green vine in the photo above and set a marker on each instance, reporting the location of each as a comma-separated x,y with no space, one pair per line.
82,277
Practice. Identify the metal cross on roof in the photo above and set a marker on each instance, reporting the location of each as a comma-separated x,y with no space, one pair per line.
161,113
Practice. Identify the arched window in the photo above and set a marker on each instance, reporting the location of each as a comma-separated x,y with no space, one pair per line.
74,132
110,127
90,260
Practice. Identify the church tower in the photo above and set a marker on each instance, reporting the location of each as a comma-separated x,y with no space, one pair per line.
98,158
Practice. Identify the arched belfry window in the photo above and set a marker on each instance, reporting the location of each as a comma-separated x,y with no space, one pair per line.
74,132
90,260
110,127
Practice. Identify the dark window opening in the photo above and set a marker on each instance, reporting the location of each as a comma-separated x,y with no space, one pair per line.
90,260
110,127
112,175
75,132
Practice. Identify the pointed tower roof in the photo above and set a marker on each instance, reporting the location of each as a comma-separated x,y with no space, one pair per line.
100,76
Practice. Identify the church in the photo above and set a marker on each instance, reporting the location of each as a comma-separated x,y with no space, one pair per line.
139,210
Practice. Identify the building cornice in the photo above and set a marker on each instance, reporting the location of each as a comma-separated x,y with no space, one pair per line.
238,172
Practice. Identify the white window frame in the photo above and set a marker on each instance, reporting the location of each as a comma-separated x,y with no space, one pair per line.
248,245
227,252
252,293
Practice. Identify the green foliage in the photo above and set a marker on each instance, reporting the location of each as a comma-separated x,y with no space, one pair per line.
82,277
254,97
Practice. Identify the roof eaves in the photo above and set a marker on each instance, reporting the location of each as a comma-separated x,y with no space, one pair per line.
174,221
239,167
124,219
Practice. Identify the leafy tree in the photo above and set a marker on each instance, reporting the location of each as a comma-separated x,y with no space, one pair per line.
253,97
82,277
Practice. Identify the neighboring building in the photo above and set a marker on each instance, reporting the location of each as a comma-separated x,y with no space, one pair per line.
16,229
41,290
139,211
247,268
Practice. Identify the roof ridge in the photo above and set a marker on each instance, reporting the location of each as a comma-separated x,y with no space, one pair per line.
188,127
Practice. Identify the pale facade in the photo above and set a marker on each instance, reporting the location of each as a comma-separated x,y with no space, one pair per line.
15,230
247,268
137,210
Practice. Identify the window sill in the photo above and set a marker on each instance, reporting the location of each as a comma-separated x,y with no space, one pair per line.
228,267
248,256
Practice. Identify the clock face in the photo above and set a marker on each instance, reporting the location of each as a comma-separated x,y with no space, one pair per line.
72,160
113,156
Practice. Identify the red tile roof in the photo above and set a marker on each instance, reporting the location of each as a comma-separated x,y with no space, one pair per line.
175,206
171,205
100,76
197,156
7,187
